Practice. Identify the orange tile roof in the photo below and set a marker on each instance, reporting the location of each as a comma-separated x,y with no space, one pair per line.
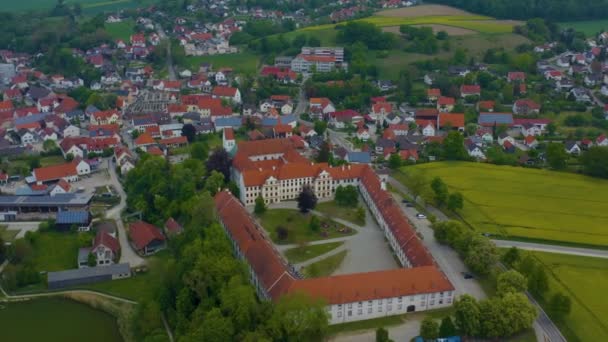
455,120
54,172
144,139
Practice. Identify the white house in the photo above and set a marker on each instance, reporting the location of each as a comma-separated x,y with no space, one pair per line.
572,147
228,140
83,168
105,248
505,137
71,131
363,134
427,127
475,151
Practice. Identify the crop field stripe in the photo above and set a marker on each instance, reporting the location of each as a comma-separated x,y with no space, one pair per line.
104,3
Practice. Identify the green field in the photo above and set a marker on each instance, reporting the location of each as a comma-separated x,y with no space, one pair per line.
88,6
122,30
243,62
299,254
589,27
325,267
8,235
528,203
297,226
56,251
476,23
331,209
584,280
54,319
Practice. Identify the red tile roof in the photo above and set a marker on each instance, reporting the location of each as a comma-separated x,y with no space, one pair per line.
55,172
445,101
143,233
173,226
433,92
181,140
107,240
223,91
469,89
456,120
144,139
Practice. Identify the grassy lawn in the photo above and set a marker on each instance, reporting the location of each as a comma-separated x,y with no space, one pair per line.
584,280
122,30
332,209
55,251
325,267
51,160
297,226
588,27
243,62
528,203
300,254
7,235
135,288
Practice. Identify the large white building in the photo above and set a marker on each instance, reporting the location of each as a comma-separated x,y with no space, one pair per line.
321,59
419,286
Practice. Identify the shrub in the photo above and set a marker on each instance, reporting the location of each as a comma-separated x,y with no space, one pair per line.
282,233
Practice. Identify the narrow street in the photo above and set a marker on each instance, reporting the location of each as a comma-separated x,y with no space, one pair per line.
170,67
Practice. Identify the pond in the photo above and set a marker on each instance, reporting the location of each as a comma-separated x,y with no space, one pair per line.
55,319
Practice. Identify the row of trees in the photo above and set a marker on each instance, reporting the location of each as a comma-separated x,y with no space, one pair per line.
453,201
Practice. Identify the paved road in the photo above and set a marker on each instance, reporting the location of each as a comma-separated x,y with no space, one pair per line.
127,254
170,68
402,332
588,252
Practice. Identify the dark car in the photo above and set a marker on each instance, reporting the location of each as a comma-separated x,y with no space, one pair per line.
467,275
405,201
409,205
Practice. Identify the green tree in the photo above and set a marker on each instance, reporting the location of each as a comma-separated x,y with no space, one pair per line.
447,328
324,153
440,190
394,161
199,151
314,224
214,182
320,127
556,156
511,282
467,315
518,312
91,260
416,182
453,147
260,205
429,329
455,201
298,317
382,335
346,196
481,256
511,257
448,232
307,200
559,306
595,162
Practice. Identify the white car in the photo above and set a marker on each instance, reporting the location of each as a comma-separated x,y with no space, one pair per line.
420,216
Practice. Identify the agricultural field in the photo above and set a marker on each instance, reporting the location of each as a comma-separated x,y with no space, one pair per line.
589,27
243,62
88,6
584,280
122,30
514,202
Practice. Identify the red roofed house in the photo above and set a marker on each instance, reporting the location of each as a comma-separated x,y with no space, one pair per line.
486,106
68,172
516,76
284,75
320,107
172,227
470,90
601,140
445,104
145,238
106,117
525,107
105,248
380,110
228,93
454,120
174,142
433,94
144,140
138,40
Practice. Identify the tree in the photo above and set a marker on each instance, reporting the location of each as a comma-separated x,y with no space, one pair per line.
346,196
320,127
455,201
559,306
416,182
447,328
556,156
448,232
2,250
453,147
394,161
440,189
189,132
467,315
91,260
429,329
260,205
511,257
199,151
595,162
511,282
220,162
49,145
307,200
324,153
282,233
382,335
298,317
360,214
538,282
214,182
481,255
518,313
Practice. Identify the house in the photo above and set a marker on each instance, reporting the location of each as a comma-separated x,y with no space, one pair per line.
62,187
433,94
580,95
363,134
504,137
69,172
508,147
320,107
525,107
228,93
383,145
554,75
341,118
106,117
485,106
530,141
586,144
145,238
380,110
78,219
27,137
87,275
454,121
495,119
172,227
469,90
475,151
601,140
445,104
358,157
516,76
228,140
572,147
106,248
427,127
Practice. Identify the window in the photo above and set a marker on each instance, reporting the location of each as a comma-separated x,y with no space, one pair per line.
390,300
389,307
379,308
399,306
360,304
369,310
339,314
399,300
350,305
432,302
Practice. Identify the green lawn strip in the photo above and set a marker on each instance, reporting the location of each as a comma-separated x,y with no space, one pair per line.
297,223
122,30
138,287
51,160
584,280
300,254
325,267
8,235
332,209
54,251
589,27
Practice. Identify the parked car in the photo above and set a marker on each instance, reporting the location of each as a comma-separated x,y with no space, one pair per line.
405,201
409,205
467,275
420,216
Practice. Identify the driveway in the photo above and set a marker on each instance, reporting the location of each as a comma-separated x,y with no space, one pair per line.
127,254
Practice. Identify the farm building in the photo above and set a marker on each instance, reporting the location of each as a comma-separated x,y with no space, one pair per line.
79,218
80,276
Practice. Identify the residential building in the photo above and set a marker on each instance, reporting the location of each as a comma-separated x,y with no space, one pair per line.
319,59
146,238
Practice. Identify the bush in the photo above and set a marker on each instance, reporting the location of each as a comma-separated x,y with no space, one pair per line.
282,233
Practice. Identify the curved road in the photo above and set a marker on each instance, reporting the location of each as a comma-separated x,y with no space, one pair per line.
127,254
540,247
